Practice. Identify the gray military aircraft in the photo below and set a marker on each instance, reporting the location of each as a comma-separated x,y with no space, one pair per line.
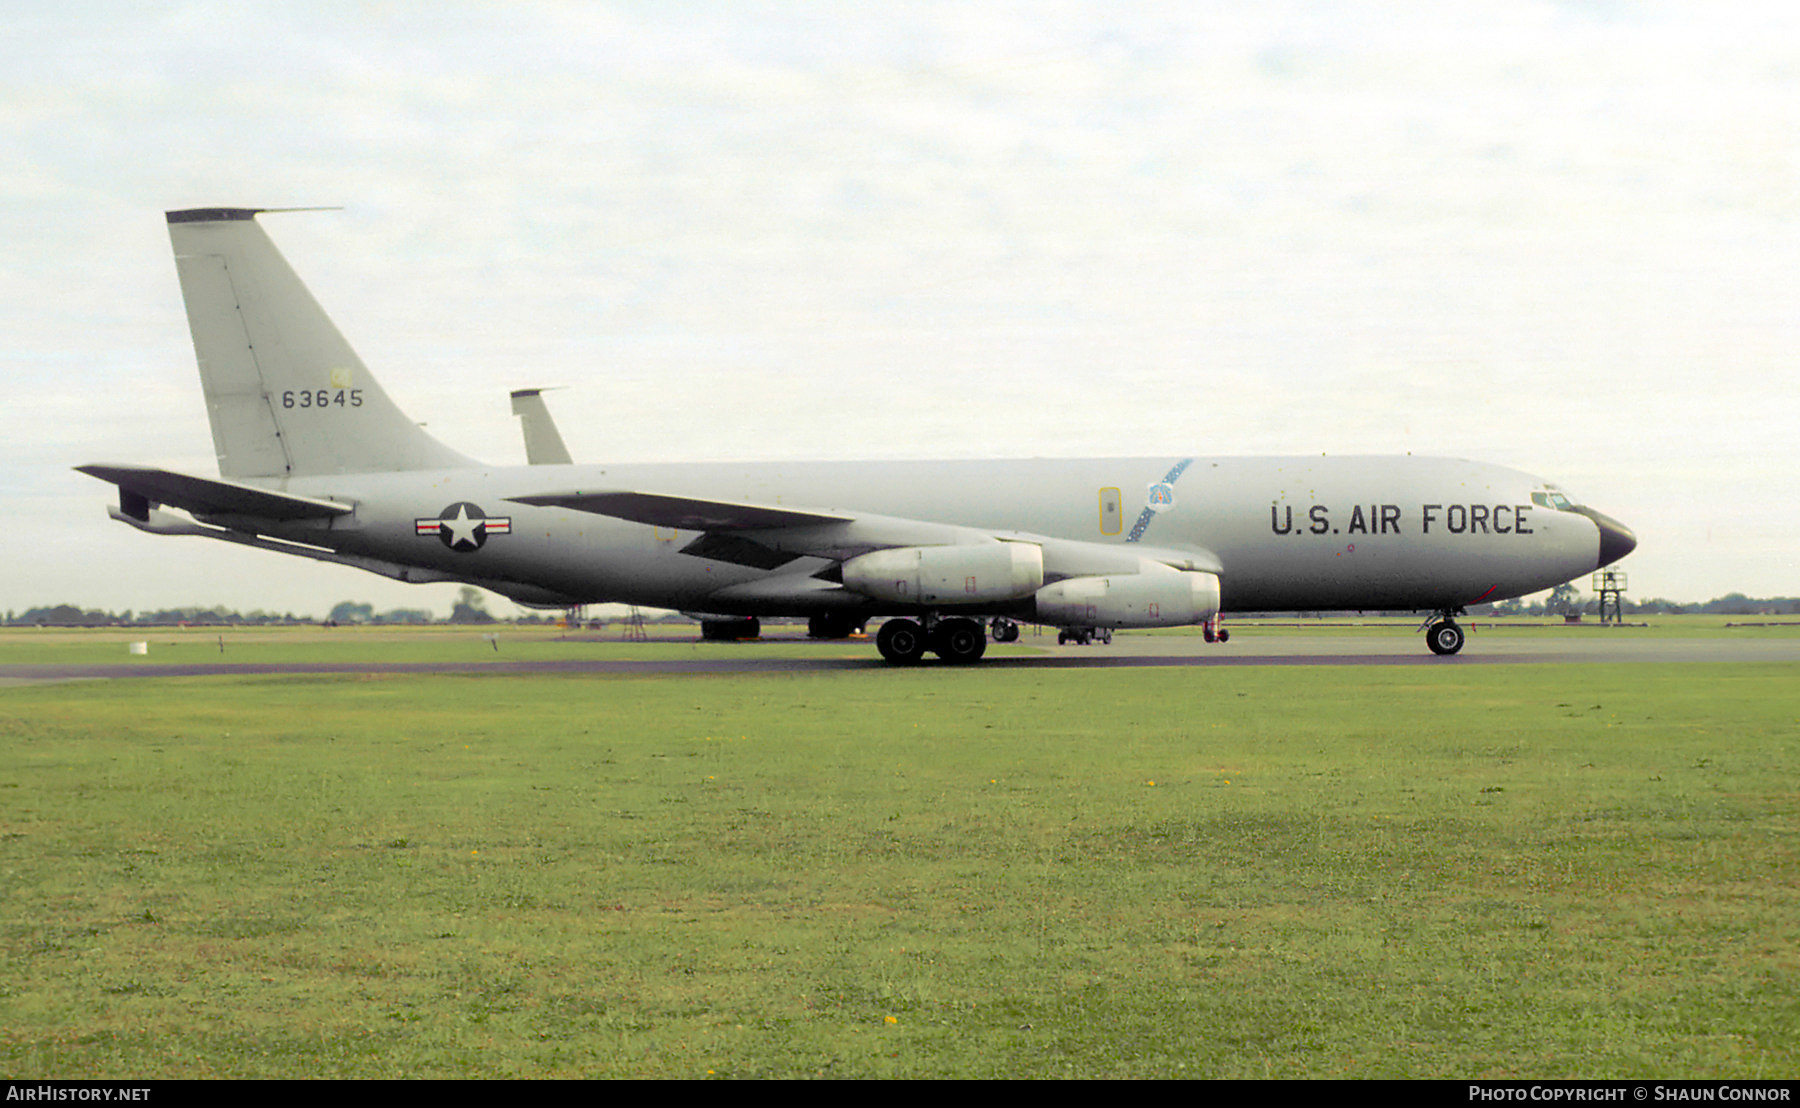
315,460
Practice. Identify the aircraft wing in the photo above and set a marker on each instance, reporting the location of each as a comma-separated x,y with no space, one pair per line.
209,496
768,537
684,513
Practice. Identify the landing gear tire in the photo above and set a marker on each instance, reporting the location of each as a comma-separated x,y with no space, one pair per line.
901,641
959,641
1004,630
1444,637
730,630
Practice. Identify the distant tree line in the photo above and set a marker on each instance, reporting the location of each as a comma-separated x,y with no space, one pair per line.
1565,601
70,615
469,608
349,611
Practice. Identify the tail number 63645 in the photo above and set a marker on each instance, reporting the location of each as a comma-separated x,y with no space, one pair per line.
322,398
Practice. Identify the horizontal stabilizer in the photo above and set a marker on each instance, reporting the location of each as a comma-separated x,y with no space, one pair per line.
682,513
211,497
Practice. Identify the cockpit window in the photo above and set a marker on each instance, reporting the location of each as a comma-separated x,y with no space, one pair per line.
1552,499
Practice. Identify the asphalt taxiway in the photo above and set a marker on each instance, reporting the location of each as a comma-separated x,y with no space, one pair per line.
1586,647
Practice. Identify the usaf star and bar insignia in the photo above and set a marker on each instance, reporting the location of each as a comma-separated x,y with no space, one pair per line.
463,526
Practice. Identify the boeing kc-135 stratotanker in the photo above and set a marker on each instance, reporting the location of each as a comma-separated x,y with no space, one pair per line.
316,460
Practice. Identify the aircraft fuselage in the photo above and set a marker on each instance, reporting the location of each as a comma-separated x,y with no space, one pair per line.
1288,533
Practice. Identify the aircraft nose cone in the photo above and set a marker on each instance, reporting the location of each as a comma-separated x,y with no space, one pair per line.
1616,539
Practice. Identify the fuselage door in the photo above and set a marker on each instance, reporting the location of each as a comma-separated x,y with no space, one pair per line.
1111,512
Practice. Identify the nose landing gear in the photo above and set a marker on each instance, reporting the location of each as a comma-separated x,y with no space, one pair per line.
1443,635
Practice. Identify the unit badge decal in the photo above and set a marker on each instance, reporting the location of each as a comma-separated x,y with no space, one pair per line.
1159,498
463,526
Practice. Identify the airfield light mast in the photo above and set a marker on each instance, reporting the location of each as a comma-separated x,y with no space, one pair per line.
634,626
1610,585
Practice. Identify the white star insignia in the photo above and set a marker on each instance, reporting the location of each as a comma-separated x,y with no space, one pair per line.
462,528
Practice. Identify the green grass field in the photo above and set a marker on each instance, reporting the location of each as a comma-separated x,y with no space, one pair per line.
1496,871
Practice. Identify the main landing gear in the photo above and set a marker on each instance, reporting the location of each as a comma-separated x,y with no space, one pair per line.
957,640
1442,634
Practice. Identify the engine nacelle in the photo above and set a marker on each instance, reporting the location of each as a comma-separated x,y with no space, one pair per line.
973,573
1156,597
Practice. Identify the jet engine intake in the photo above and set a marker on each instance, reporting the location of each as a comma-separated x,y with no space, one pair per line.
1157,596
948,575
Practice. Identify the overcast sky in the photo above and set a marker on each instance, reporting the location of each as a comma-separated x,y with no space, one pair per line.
1563,237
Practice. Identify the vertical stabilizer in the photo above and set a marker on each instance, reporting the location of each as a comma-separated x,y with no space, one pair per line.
286,395
543,442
